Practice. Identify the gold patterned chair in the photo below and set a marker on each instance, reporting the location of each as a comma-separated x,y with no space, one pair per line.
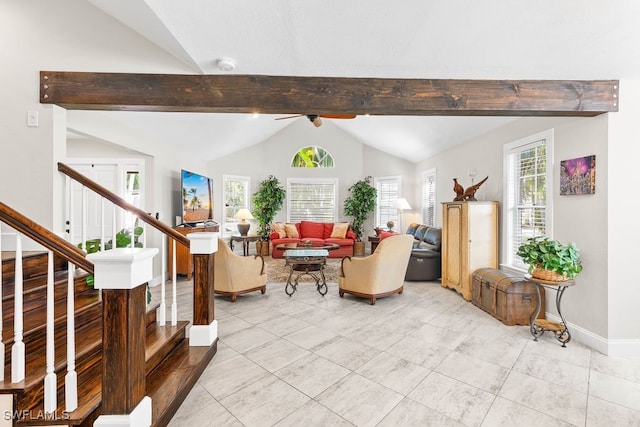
236,275
380,274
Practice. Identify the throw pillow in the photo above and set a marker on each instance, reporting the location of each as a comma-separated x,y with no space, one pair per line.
311,229
291,230
339,230
278,227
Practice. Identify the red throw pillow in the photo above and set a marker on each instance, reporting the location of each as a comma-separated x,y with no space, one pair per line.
328,228
311,229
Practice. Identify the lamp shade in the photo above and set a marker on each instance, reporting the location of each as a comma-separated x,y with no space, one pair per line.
401,203
243,214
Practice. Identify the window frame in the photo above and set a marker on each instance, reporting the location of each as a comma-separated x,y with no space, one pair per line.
430,199
311,181
511,189
231,224
393,212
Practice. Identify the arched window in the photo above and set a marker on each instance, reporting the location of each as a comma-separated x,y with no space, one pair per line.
312,157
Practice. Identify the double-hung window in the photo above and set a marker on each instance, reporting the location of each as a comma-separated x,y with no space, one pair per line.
429,197
528,180
312,199
235,194
388,189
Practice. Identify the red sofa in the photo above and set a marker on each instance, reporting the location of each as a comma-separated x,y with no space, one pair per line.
317,233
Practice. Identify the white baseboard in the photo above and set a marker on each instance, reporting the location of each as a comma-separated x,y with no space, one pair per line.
630,347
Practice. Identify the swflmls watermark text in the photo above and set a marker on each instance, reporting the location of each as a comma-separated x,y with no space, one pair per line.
35,415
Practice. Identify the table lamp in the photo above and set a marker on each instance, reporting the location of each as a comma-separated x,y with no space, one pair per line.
243,226
401,204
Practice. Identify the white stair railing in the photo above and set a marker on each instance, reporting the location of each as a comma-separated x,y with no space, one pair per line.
18,350
71,379
1,313
51,379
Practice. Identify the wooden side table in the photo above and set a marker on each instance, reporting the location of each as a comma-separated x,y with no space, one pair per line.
538,326
245,242
374,240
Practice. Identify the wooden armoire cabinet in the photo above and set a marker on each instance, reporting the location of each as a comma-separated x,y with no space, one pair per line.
469,242
184,260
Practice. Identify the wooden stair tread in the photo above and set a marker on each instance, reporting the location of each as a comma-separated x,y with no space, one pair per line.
160,341
39,283
87,340
170,383
89,398
35,320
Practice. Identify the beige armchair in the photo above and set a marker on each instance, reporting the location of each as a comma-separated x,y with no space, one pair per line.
235,274
380,274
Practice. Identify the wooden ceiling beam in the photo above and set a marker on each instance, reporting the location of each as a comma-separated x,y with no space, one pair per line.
326,95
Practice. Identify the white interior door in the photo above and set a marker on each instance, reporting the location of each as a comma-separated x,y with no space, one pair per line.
122,177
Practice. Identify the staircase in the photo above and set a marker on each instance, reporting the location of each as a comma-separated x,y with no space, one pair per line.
95,363
172,367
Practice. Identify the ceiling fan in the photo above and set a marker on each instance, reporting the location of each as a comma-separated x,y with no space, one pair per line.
316,118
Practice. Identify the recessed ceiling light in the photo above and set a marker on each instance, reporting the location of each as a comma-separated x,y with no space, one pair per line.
226,64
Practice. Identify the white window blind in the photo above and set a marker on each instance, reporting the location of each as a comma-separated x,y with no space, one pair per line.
235,194
311,200
429,197
528,180
388,189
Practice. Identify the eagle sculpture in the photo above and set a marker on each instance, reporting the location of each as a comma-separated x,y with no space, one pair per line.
469,193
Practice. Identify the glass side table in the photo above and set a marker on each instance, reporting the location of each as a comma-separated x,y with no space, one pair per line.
538,326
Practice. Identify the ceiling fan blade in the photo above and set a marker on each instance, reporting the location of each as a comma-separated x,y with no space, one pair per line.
289,117
338,116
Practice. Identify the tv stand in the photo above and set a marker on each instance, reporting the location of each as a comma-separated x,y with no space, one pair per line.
184,260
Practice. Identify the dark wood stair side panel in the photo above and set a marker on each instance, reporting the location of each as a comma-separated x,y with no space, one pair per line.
170,383
161,341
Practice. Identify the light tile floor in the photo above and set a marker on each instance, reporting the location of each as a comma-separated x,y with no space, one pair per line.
423,358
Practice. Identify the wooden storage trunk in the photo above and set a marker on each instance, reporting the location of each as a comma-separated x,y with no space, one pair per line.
508,298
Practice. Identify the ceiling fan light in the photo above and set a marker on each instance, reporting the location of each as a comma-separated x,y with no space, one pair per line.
315,119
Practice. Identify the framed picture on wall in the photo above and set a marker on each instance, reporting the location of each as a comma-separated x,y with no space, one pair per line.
578,176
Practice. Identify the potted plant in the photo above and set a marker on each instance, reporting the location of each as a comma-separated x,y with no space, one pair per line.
267,201
549,259
359,205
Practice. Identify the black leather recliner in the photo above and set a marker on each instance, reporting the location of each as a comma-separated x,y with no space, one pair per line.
425,262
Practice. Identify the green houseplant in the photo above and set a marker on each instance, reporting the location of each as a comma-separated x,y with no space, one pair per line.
267,201
542,253
359,205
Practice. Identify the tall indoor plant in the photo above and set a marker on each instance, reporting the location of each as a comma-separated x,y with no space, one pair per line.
267,201
360,203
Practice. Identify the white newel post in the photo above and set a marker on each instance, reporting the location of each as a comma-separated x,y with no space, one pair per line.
121,274
204,331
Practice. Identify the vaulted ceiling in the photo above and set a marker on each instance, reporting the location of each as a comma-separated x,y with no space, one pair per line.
501,39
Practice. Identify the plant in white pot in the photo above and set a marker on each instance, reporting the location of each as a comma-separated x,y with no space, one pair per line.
549,259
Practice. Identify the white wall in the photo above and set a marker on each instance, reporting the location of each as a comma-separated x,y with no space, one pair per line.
621,253
31,41
581,219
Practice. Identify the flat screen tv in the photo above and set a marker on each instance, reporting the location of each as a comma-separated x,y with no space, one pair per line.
197,198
